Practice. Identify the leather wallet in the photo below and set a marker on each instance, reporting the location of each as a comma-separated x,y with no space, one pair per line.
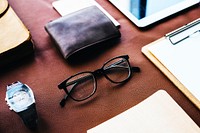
81,29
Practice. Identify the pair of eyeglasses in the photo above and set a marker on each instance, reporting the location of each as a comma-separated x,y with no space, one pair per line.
83,85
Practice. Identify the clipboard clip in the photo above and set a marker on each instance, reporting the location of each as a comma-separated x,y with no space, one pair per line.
183,33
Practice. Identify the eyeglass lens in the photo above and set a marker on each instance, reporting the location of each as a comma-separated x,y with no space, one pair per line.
81,86
117,70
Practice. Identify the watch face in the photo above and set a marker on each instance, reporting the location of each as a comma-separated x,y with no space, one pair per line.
20,97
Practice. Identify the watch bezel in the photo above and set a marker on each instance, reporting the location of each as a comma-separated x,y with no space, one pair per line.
15,87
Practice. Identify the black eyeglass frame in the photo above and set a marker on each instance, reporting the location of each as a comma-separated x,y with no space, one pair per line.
94,74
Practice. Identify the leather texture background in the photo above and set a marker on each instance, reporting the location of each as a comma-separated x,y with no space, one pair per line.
48,68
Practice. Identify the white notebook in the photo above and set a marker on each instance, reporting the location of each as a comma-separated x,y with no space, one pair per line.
159,113
65,7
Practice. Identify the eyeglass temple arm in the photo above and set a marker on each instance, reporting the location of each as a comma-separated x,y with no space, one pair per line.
62,102
135,69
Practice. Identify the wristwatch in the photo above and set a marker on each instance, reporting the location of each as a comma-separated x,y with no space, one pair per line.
20,98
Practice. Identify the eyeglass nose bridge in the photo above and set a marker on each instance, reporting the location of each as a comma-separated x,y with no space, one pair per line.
98,72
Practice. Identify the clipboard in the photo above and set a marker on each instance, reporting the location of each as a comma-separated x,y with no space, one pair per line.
174,39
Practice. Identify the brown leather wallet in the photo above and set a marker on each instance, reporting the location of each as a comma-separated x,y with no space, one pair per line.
81,29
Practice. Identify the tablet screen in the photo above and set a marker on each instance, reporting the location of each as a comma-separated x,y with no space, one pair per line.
144,8
146,12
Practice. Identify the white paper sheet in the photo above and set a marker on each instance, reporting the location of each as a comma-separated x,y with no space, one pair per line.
65,7
158,113
182,59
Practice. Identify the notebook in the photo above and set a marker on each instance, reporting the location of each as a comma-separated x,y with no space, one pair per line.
177,56
65,7
159,113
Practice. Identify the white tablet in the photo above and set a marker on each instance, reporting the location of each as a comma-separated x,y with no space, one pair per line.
146,12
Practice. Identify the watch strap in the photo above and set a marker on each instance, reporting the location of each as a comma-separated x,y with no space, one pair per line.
29,116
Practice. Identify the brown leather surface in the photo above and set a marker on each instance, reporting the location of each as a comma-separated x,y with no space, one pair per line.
47,69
